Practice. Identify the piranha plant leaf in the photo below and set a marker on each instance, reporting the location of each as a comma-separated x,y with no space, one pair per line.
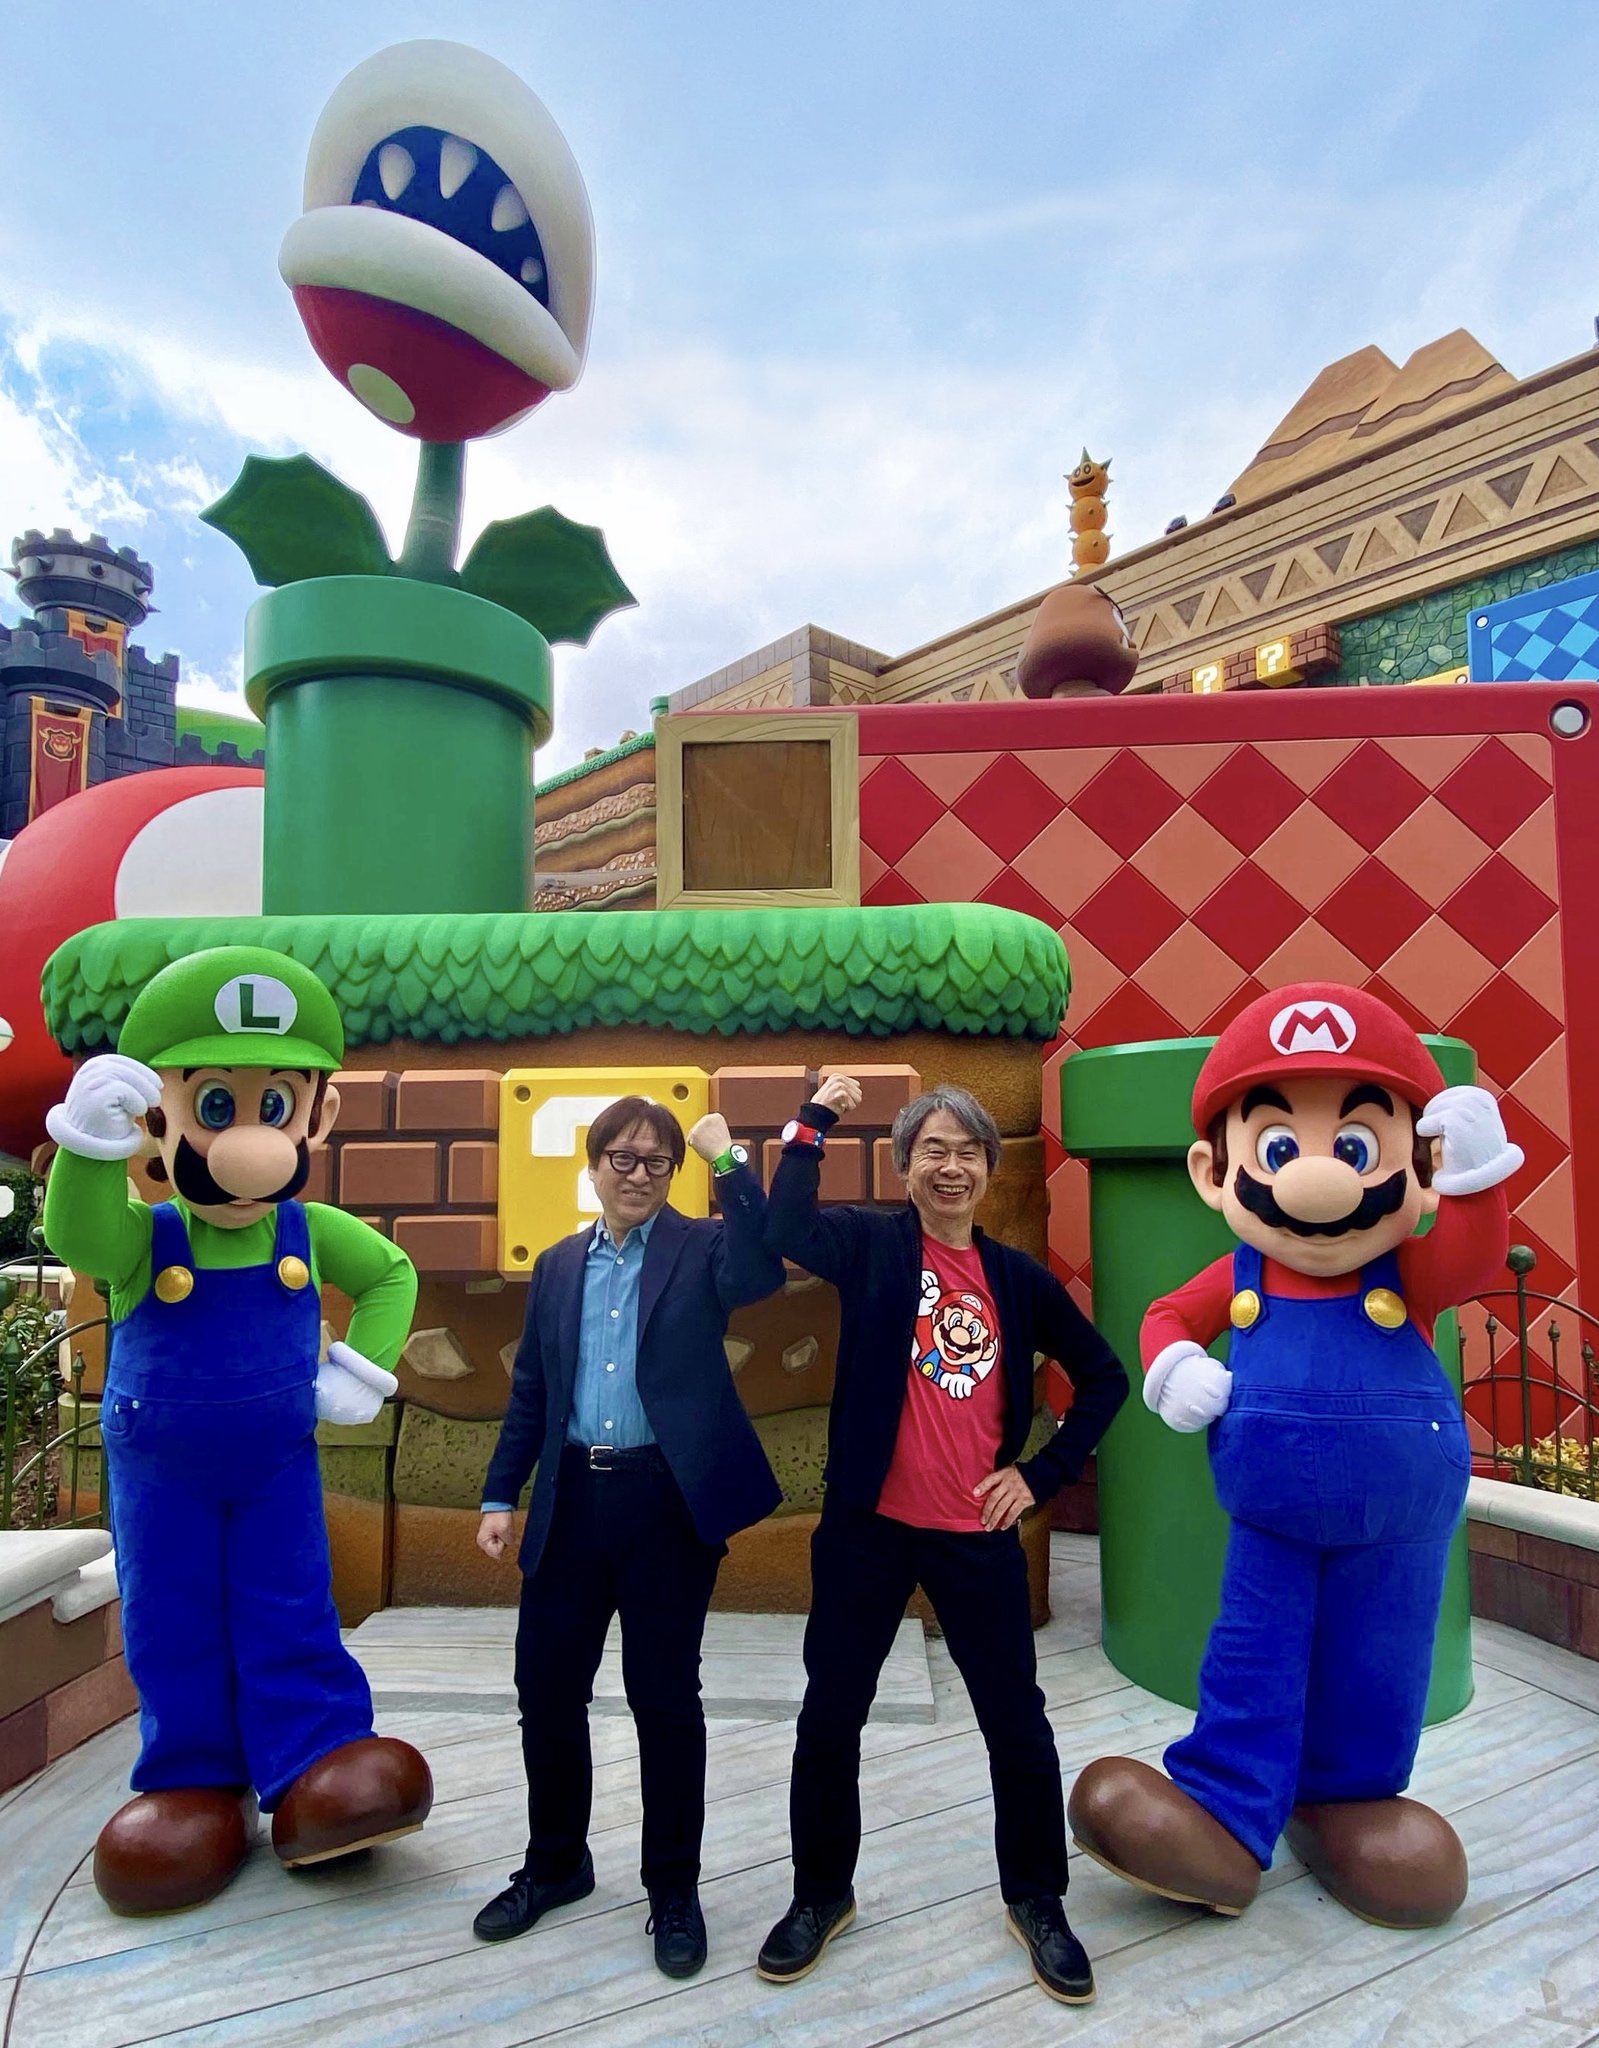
293,519
549,570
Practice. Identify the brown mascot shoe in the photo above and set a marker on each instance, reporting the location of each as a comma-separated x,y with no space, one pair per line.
1393,1861
356,1796
1139,1824
164,1851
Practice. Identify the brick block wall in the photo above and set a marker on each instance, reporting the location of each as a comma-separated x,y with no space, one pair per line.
856,1167
1313,651
416,1154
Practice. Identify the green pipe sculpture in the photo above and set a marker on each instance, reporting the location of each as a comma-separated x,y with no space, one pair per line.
443,269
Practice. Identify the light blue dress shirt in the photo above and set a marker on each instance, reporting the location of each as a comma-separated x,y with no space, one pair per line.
606,1408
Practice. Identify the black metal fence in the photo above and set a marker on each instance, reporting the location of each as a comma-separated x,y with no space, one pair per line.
1541,1417
51,1470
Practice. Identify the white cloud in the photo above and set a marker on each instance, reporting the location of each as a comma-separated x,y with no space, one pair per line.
208,692
50,479
744,493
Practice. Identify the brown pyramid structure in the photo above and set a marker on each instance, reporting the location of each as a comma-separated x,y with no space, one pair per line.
1363,401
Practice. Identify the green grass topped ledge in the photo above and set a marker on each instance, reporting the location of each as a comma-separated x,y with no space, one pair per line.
963,967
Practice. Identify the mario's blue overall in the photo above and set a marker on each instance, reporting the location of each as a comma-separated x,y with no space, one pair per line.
209,1426
1342,1460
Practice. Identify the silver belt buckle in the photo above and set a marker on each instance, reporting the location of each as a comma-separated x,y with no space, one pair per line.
601,1457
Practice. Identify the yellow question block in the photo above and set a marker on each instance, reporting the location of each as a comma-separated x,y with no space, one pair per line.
1274,664
545,1114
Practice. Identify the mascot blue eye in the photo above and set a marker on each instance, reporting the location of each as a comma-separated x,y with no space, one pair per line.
1357,1146
1275,1146
215,1108
277,1106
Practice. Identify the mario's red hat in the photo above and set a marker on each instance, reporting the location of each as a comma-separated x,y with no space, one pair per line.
1314,1027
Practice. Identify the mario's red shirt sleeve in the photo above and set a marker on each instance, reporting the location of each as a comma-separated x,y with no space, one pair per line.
1463,1254
1197,1310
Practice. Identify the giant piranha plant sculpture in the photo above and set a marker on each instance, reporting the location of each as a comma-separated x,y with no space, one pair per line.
443,268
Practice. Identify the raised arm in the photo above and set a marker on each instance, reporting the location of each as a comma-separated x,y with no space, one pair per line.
827,1242
743,1267
89,1219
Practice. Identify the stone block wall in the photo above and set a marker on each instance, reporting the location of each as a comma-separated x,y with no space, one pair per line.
63,1676
1536,1583
1429,633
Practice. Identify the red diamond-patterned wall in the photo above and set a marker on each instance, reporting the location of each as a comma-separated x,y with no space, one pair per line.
1440,847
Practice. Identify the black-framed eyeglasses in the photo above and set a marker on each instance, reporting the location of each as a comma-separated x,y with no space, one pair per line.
655,1164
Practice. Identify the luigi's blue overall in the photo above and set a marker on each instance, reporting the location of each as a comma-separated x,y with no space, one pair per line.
1342,1461
209,1425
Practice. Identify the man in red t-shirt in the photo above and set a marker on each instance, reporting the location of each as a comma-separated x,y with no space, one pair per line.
1339,1453
932,1405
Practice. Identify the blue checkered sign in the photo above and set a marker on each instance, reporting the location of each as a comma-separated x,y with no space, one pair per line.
1544,636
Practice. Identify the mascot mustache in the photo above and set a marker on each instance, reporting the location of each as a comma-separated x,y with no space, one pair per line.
1376,1203
194,1182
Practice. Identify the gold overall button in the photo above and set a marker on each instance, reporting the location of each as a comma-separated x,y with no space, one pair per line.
174,1283
1385,1308
1245,1310
294,1273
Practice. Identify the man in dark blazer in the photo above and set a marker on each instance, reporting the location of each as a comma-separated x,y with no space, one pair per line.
647,1463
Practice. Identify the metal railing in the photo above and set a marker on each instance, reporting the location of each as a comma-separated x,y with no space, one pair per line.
1564,1457
45,1469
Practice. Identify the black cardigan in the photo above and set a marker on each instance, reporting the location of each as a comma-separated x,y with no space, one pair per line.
874,1258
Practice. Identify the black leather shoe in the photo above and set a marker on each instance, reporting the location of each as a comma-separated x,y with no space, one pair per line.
524,1903
1060,1962
679,1929
794,1946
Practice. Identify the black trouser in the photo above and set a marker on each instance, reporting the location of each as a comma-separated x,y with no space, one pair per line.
864,1568
620,1542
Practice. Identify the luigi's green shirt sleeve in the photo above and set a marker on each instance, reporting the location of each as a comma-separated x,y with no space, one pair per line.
377,1276
92,1222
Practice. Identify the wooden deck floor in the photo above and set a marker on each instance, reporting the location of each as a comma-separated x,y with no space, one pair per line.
382,1953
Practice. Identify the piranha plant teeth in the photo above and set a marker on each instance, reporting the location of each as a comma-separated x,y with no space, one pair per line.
444,263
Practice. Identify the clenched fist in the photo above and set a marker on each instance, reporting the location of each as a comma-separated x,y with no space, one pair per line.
107,1095
840,1093
1476,1153
711,1137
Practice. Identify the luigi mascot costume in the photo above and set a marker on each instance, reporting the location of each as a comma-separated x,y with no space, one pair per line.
212,1396
1338,1450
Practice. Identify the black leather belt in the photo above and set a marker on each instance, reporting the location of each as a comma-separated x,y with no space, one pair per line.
607,1458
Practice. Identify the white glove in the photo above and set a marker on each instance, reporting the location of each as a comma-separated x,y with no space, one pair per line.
959,1385
97,1119
1186,1388
350,1388
1477,1154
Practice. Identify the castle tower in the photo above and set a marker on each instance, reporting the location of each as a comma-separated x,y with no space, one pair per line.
78,704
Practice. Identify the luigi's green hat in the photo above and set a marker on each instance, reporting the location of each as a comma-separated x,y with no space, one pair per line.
234,1006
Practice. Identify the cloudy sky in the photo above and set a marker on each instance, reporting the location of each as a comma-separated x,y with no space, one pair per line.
870,274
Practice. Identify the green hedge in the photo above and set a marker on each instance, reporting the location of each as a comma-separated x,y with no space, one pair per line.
963,967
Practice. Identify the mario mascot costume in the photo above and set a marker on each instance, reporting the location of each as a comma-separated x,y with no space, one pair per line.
1338,1451
212,1396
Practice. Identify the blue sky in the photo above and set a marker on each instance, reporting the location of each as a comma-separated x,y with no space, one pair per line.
869,276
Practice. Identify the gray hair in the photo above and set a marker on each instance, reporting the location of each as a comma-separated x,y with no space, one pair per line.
966,1110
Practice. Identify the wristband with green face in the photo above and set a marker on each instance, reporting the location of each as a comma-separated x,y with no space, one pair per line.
735,1155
